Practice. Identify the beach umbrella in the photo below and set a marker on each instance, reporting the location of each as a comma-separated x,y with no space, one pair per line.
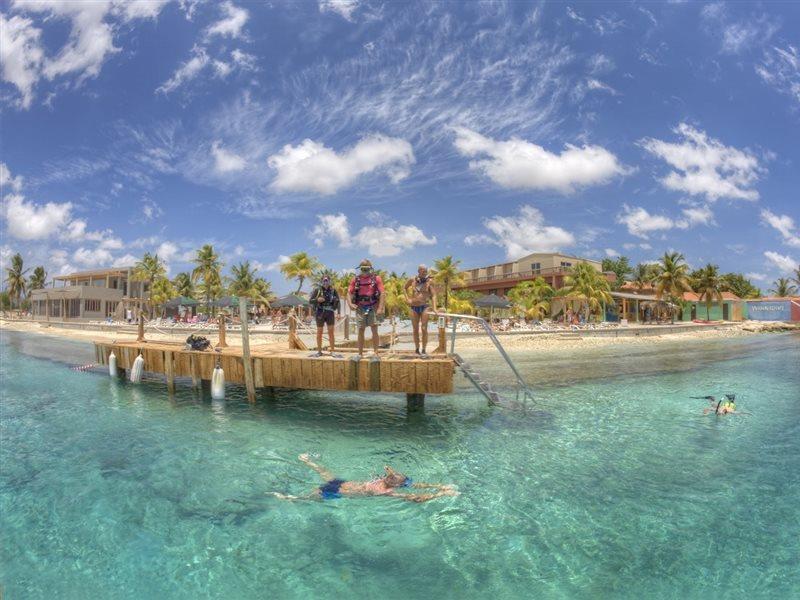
491,301
227,302
289,301
181,301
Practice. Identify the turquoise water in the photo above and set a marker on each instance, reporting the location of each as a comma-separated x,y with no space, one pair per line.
610,485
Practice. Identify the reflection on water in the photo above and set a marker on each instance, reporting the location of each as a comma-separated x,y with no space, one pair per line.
610,484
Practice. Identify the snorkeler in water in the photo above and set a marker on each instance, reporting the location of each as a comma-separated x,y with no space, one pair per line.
727,406
385,485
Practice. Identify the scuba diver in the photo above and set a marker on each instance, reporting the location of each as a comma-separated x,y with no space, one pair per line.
723,407
325,300
365,297
422,295
384,485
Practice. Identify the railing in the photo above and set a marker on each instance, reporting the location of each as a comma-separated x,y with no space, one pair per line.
522,386
469,280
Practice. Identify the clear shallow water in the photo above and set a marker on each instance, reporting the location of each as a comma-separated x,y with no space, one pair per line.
609,485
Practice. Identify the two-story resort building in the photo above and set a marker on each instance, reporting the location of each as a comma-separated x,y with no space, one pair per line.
500,278
90,296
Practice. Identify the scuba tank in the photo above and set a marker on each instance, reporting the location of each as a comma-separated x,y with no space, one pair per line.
112,364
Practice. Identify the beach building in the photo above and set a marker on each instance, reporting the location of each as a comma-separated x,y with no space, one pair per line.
731,309
90,296
500,278
774,309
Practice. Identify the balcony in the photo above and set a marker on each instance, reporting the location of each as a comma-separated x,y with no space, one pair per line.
520,276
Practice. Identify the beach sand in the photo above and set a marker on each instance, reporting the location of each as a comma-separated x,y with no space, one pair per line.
533,343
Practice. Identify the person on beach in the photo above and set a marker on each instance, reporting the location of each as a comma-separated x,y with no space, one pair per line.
383,485
325,301
365,297
420,294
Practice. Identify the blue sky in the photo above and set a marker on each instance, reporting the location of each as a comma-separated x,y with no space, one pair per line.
400,131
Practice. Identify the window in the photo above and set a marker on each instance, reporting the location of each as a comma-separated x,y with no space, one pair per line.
91,305
55,308
508,268
110,308
536,268
566,264
490,271
73,308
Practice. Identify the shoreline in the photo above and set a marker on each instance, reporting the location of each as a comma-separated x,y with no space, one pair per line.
515,341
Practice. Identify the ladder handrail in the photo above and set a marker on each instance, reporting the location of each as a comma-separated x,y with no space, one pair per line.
492,336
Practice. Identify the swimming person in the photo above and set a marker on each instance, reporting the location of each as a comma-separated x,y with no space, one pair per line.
385,485
422,294
325,301
723,407
365,297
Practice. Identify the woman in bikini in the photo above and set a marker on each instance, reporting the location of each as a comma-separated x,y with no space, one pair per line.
420,293
385,485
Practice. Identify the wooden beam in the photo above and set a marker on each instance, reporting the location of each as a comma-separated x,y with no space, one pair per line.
246,361
415,402
169,370
221,343
140,336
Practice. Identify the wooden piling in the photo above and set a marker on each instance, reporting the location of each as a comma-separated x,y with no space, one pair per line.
415,402
441,348
140,336
221,343
247,363
169,371
347,327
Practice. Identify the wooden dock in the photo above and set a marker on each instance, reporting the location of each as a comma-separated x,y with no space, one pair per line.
273,366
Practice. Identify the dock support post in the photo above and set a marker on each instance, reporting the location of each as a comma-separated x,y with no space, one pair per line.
415,402
169,370
120,372
222,343
247,363
140,336
347,327
441,348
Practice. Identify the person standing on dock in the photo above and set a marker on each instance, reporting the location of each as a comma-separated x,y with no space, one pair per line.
420,297
325,301
365,297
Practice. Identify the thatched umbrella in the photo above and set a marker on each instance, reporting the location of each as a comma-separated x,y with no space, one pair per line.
491,301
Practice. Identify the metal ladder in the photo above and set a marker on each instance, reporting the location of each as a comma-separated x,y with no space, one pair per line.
484,386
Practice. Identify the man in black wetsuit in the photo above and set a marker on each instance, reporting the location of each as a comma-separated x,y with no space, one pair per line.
325,301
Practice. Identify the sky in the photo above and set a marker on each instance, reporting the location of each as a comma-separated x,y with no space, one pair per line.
399,131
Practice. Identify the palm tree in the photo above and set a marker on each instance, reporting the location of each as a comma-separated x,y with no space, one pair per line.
244,280
531,298
15,280
796,277
462,301
642,276
783,287
262,291
395,302
207,272
708,285
183,284
300,266
37,279
161,292
447,275
585,284
672,279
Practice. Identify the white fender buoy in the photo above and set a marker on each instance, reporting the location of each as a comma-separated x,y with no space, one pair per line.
112,364
218,384
137,369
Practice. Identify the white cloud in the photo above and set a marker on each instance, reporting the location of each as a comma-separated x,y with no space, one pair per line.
704,166
331,226
344,8
641,223
611,253
391,241
186,72
695,215
735,37
226,161
600,63
232,22
75,231
756,276
167,251
275,266
785,264
21,55
781,69
597,85
6,179
92,257
311,167
784,224
385,239
29,221
520,164
125,261
523,233
244,60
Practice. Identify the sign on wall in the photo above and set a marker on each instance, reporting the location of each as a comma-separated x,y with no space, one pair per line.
778,310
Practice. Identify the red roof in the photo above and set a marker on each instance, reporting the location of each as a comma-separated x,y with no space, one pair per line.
692,297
